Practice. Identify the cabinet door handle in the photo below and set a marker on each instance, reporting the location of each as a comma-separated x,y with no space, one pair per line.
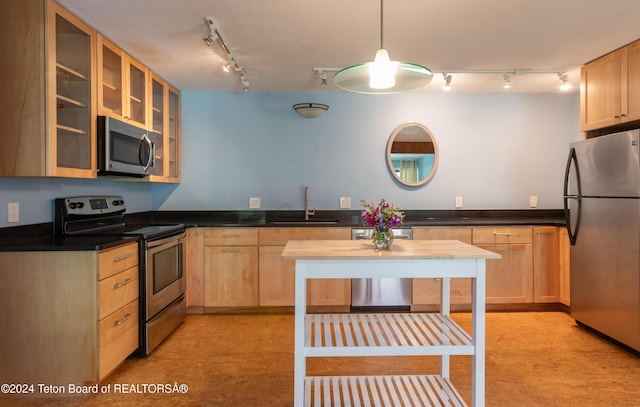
122,284
126,256
502,233
123,320
231,235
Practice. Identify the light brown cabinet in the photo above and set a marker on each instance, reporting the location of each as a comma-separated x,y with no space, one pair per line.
509,279
164,122
565,267
122,84
610,89
546,264
48,102
230,267
277,276
84,305
118,305
426,291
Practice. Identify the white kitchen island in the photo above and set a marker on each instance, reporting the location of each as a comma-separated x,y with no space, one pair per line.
387,334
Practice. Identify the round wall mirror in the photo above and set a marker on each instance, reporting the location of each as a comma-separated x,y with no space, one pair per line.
412,154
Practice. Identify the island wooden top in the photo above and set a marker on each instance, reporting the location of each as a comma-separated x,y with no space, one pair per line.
401,249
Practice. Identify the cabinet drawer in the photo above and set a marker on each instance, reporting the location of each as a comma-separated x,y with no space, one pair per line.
118,259
442,233
118,337
118,290
502,235
280,236
231,237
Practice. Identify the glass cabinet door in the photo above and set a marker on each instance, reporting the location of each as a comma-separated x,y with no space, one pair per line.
137,81
158,108
72,134
173,129
110,79
122,85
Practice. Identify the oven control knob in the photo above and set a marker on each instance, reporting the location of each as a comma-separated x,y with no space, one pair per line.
80,205
116,202
72,205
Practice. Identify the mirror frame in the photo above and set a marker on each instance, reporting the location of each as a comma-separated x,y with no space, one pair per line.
392,137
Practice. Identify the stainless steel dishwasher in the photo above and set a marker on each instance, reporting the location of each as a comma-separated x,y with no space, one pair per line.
380,293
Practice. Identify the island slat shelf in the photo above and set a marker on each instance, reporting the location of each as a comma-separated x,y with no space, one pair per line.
392,334
413,390
403,334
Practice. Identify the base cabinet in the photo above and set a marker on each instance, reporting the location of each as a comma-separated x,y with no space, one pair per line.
510,279
565,266
426,291
277,276
231,267
546,264
84,309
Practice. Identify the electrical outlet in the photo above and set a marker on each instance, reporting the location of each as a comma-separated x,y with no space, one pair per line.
458,202
13,209
533,201
254,203
345,202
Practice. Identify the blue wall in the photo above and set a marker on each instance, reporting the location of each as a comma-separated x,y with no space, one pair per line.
496,150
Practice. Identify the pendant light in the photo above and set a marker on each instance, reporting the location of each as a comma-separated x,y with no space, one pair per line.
382,75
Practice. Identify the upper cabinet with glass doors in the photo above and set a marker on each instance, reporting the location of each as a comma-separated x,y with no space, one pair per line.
165,123
48,99
122,85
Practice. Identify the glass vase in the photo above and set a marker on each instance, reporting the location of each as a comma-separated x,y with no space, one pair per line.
382,238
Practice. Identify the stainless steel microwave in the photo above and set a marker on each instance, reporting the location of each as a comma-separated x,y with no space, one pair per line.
124,149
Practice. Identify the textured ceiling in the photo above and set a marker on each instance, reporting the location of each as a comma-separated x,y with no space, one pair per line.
279,42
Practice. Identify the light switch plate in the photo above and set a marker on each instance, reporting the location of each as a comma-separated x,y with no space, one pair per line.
254,203
458,202
345,202
533,201
13,209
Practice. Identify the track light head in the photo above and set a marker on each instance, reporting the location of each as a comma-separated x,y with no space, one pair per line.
565,81
507,81
447,81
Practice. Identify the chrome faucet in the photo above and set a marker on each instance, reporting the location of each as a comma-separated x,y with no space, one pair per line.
307,212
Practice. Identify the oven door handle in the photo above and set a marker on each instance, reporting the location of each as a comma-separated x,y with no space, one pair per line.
156,243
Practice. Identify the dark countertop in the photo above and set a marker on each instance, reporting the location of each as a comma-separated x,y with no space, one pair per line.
38,237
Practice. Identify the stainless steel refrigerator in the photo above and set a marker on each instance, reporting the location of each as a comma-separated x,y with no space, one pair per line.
602,209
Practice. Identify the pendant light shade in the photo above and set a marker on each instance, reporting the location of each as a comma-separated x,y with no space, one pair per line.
408,76
382,75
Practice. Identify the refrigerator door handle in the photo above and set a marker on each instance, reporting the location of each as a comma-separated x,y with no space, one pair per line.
572,162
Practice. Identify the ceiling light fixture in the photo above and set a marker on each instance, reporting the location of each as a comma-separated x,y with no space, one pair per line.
231,64
310,110
507,81
447,81
382,75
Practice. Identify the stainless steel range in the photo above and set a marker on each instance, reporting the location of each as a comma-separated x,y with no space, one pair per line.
162,260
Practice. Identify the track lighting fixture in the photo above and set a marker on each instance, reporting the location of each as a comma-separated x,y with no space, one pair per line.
231,64
447,75
447,81
507,81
